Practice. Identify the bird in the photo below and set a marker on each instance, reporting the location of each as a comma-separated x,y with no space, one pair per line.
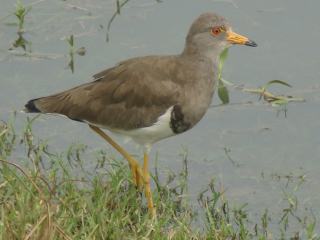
150,98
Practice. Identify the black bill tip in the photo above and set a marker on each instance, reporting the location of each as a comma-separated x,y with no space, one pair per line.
250,43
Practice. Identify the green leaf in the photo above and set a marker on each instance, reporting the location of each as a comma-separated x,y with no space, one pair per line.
118,7
226,82
280,102
223,93
223,57
277,82
222,90
70,40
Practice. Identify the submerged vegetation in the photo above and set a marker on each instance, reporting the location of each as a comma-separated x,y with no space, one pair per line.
72,51
21,12
119,5
46,195
262,92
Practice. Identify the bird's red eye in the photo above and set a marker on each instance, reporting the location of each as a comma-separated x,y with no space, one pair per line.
216,31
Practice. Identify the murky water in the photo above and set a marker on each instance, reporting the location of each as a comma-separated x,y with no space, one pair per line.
259,141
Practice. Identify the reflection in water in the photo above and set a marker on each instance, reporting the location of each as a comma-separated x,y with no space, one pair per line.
21,12
21,42
80,51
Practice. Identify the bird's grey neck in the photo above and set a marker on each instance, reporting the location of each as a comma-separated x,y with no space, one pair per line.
202,52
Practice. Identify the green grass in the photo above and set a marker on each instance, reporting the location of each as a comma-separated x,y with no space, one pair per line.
49,195
21,12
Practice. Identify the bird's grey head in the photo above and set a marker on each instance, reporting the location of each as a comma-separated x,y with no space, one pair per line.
210,34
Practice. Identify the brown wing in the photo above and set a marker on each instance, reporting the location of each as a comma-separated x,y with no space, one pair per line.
131,95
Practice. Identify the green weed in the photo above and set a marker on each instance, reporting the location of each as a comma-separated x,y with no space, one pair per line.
46,195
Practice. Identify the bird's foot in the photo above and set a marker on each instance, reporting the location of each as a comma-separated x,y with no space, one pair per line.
138,179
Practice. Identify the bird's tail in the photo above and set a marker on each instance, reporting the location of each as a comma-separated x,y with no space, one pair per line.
31,106
56,103
47,104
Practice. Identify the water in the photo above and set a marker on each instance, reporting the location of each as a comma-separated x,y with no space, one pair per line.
260,142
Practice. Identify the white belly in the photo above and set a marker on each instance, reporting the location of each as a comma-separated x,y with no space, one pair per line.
149,135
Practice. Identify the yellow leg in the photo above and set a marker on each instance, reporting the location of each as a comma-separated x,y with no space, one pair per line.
148,193
137,178
137,173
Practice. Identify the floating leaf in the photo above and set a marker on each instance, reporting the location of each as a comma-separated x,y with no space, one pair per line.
223,93
279,102
277,82
81,51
